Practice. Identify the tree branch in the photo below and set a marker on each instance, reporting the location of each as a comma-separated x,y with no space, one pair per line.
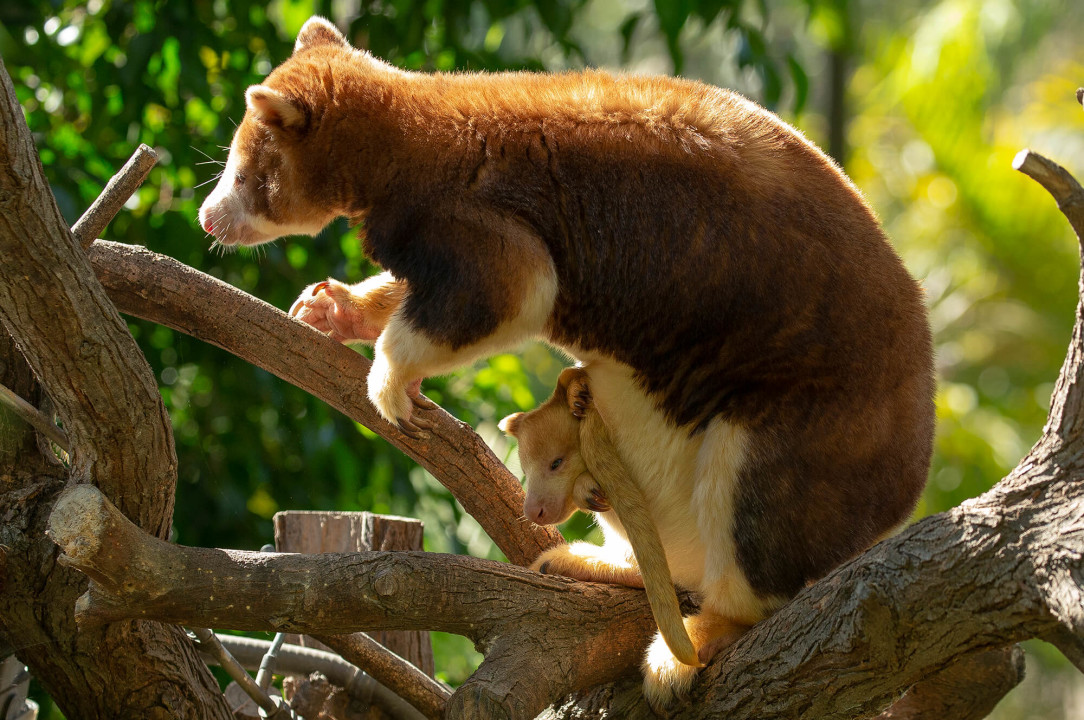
968,689
33,417
160,289
392,671
120,187
1065,423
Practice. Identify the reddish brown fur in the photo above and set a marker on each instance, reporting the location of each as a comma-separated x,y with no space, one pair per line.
695,237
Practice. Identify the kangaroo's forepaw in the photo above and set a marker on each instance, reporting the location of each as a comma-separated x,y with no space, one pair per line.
331,307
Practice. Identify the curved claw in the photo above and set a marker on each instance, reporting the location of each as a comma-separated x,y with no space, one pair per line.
320,286
413,430
598,502
422,402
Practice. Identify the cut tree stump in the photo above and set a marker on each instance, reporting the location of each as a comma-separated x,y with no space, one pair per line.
320,532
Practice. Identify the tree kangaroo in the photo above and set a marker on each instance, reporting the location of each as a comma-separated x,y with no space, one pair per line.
757,350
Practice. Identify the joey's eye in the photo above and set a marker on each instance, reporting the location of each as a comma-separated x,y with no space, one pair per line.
556,463
239,179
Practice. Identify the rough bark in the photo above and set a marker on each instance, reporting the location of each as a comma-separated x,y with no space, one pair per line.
71,336
968,689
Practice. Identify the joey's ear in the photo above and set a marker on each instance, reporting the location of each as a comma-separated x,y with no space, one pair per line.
271,107
318,31
510,425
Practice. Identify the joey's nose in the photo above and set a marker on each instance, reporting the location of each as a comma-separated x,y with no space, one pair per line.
535,512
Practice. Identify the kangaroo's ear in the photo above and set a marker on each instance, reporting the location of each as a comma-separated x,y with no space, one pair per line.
318,31
510,425
271,107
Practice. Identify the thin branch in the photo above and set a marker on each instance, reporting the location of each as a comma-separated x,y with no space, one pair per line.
158,288
1061,185
298,660
1070,645
210,644
33,417
1065,422
392,671
117,191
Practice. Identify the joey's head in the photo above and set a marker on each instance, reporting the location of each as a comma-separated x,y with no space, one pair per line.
284,174
549,450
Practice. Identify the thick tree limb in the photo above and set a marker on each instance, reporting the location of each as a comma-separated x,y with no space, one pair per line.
75,341
159,288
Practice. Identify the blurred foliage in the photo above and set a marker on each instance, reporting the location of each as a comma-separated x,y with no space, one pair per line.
940,96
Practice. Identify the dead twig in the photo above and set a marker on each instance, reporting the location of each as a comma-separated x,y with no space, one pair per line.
117,191
33,417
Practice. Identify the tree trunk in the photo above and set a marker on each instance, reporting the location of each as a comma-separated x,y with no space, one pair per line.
58,322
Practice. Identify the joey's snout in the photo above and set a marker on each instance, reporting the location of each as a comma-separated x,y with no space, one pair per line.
546,510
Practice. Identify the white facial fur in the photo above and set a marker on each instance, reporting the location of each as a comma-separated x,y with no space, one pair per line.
225,214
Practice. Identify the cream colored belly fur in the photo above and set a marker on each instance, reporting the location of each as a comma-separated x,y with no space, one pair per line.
689,482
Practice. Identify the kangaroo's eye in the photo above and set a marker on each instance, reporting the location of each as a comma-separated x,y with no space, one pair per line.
239,179
556,463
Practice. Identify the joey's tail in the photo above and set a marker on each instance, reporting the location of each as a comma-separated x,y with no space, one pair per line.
629,503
